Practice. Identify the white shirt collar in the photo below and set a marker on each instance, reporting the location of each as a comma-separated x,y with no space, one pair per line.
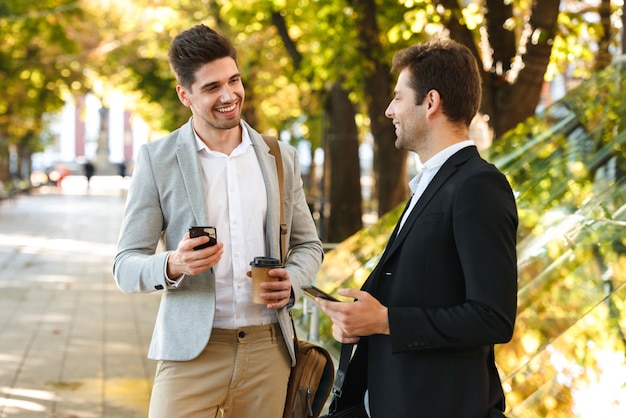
437,160
245,142
432,166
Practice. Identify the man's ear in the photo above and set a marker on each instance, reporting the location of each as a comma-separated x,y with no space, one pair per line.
433,101
183,95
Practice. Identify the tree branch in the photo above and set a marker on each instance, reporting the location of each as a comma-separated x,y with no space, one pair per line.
290,46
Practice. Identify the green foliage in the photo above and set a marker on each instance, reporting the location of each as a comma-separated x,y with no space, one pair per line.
54,47
37,65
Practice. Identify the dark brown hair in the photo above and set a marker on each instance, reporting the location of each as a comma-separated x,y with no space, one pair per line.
448,67
195,47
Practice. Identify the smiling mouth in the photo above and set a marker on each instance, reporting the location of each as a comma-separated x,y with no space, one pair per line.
227,109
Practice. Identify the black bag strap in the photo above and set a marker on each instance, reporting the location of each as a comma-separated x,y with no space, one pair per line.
344,360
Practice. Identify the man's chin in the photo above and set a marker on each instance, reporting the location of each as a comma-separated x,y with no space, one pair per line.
226,125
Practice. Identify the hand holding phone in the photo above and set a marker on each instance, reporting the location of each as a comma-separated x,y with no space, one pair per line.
315,292
209,231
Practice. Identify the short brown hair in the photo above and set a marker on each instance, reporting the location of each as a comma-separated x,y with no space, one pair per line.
448,67
195,47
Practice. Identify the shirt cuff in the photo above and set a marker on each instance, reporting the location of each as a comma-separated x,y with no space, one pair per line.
172,283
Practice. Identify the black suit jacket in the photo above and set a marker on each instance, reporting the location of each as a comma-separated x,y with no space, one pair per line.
449,279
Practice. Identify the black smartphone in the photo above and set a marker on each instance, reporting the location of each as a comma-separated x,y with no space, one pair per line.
198,231
315,292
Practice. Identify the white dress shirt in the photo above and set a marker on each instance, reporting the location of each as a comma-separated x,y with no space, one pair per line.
236,202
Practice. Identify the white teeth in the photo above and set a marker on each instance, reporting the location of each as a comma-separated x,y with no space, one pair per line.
227,109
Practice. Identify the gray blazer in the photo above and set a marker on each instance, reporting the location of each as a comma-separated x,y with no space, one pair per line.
165,198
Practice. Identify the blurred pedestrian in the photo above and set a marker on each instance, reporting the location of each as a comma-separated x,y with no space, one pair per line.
121,169
90,170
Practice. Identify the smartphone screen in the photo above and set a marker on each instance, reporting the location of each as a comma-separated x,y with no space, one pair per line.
198,231
315,292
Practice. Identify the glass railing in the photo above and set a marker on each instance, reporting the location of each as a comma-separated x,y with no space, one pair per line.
566,166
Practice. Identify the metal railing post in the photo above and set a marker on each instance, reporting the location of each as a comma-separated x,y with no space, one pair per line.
314,324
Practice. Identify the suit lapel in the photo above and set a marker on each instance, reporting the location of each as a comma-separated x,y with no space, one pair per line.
446,170
187,156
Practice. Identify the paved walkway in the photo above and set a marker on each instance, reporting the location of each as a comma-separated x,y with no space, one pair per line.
71,344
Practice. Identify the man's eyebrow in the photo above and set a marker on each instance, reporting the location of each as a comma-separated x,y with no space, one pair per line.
209,85
217,83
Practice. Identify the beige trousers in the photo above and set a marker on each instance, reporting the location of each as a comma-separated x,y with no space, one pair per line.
244,373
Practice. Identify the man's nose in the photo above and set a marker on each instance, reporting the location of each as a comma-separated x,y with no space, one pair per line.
226,93
389,112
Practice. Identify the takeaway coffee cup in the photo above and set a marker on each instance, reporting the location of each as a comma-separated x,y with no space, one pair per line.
260,267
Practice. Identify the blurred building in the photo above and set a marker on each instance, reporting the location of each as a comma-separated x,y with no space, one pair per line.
85,129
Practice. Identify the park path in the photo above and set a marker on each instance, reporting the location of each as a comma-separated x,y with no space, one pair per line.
71,344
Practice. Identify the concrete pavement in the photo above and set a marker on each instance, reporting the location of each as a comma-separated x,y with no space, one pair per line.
71,344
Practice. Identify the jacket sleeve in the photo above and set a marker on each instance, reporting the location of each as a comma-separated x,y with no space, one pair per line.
137,267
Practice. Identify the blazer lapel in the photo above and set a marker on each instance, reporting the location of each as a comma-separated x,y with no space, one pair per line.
270,178
187,156
446,170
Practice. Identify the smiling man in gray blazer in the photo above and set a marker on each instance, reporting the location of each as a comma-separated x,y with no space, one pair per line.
217,350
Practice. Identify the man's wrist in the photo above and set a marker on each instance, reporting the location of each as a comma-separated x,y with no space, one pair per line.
171,272
385,324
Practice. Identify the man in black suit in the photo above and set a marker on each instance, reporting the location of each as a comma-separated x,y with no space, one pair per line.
445,289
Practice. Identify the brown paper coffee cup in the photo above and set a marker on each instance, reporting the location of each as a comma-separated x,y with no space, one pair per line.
260,267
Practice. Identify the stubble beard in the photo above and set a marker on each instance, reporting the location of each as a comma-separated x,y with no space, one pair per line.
402,142
224,124
227,125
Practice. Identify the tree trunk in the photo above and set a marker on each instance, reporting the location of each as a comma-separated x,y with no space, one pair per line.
248,112
390,164
342,173
507,104
603,55
516,102
20,172
5,174
345,174
624,28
